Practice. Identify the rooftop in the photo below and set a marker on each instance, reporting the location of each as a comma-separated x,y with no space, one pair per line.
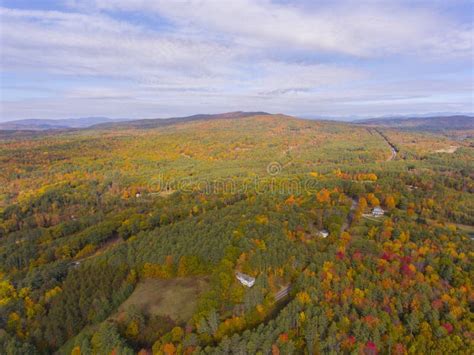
245,277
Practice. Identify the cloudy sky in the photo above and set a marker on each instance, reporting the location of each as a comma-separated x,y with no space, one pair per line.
161,58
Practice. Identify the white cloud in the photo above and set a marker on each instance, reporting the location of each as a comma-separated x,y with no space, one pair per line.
290,77
230,55
95,45
82,44
353,28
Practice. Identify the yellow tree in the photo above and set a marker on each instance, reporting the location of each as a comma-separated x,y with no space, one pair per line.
323,196
390,202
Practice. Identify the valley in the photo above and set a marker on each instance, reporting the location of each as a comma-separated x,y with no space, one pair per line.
127,238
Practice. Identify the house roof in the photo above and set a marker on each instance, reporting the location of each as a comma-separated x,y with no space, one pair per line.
245,277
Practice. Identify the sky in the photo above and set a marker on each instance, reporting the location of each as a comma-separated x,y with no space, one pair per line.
163,58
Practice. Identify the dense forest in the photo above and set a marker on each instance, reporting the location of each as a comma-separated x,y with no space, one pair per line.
125,241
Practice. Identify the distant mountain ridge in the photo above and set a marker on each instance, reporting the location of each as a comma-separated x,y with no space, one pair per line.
160,122
106,123
433,123
436,123
50,124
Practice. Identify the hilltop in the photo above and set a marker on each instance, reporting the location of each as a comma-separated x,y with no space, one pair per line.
434,123
160,122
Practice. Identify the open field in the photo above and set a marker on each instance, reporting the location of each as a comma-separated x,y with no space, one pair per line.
469,230
450,150
176,298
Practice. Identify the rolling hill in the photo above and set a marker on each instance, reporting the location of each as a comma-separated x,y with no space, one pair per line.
109,123
160,122
437,123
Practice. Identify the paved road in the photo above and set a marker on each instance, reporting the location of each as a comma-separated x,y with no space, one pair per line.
394,154
393,148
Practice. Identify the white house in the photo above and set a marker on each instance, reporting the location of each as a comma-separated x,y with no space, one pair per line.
377,212
245,279
324,233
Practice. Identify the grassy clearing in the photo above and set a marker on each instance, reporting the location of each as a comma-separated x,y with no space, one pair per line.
176,298
465,228
449,150
469,230
373,219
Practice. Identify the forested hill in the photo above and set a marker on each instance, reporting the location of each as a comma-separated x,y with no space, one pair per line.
129,241
108,123
160,122
443,123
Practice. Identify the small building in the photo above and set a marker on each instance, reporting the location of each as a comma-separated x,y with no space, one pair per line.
378,211
324,233
245,279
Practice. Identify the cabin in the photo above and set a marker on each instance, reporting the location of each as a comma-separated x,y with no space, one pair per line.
324,233
245,279
377,212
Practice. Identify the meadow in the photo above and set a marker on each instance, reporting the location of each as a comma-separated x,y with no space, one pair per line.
176,298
